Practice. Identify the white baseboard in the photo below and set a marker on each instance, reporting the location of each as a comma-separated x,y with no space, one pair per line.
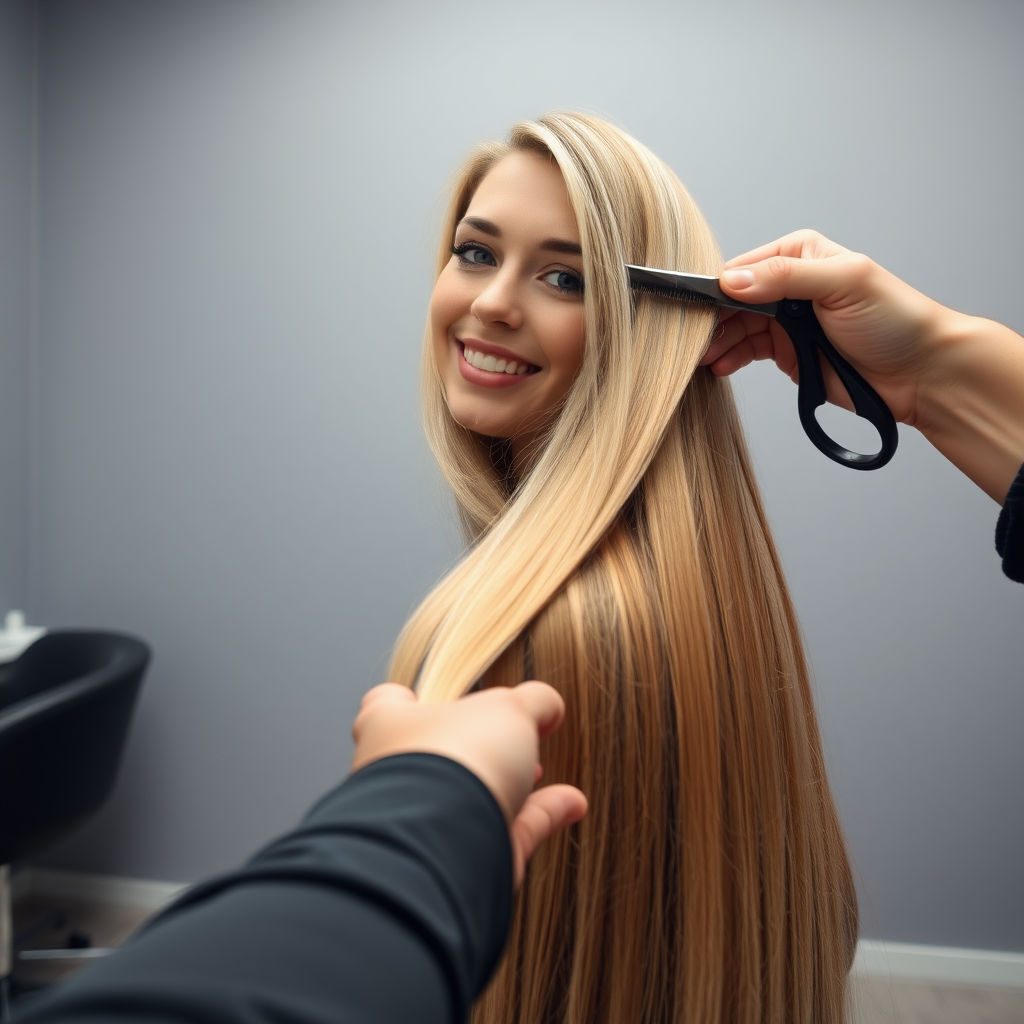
939,963
135,892
874,958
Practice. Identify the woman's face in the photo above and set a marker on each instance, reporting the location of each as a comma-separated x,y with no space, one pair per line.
507,311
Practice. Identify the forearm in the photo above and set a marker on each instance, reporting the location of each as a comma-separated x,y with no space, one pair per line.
262,953
970,405
389,903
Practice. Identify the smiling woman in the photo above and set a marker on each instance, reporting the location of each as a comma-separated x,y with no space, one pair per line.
620,553
507,310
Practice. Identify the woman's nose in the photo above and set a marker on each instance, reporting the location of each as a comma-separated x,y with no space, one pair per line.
498,303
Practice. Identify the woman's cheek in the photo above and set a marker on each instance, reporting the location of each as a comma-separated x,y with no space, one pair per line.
570,344
444,311
440,302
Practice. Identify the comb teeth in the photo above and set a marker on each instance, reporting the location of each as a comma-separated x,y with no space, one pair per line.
678,294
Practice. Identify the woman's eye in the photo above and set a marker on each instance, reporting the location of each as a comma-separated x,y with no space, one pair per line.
474,254
565,281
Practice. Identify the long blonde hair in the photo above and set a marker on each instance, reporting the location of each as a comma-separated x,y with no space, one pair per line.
631,567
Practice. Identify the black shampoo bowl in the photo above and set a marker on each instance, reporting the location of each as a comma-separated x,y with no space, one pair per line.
65,707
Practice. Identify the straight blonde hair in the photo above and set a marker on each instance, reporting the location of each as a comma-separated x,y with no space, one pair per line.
630,565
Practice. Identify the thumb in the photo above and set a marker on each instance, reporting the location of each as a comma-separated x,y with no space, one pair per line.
385,693
545,812
392,693
833,281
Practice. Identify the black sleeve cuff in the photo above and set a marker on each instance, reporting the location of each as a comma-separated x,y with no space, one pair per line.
1010,530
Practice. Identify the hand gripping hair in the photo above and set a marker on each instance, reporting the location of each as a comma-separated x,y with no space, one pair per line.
630,565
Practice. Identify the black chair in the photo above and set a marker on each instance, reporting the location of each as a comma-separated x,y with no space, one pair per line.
65,707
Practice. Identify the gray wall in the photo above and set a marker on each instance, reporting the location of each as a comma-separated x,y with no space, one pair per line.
16,292
237,211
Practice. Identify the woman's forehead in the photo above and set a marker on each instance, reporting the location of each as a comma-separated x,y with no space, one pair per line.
525,192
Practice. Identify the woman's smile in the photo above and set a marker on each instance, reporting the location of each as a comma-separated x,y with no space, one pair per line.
491,366
507,316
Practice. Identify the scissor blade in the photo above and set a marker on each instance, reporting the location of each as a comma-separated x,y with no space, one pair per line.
690,287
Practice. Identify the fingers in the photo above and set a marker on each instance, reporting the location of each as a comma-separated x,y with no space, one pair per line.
543,703
542,815
742,328
741,354
747,337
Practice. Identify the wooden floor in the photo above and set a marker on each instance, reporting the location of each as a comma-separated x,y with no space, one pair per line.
873,1000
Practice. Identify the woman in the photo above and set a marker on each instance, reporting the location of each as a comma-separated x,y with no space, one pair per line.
620,552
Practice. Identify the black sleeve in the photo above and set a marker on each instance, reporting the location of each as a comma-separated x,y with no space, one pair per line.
390,902
1010,530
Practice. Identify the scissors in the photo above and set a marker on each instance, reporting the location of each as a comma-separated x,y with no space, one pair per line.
797,319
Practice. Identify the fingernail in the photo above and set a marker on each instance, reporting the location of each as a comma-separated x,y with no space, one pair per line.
738,278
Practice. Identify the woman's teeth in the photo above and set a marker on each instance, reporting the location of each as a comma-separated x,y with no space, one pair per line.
492,365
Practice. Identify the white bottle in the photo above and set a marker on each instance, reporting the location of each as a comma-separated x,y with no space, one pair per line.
16,637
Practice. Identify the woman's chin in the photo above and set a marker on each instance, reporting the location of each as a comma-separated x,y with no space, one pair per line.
481,423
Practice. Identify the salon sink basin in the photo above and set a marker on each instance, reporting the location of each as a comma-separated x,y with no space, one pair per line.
65,707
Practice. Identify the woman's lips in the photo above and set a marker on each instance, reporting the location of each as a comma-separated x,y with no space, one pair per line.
494,373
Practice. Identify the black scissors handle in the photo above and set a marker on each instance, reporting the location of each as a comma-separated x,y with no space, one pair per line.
797,319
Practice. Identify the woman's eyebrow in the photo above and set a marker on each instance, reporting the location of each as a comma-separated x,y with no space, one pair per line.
559,245
486,226
550,244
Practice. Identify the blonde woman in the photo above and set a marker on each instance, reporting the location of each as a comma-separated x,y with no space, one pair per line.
619,552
